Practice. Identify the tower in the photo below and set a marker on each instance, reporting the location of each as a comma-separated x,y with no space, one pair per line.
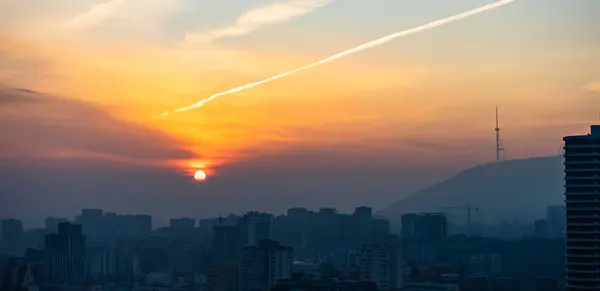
582,189
499,147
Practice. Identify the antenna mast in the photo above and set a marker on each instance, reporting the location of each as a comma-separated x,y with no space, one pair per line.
499,147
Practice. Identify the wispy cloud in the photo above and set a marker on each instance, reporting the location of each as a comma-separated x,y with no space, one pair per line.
257,18
133,16
593,86
96,14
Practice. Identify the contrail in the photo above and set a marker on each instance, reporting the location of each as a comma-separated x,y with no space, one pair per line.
357,49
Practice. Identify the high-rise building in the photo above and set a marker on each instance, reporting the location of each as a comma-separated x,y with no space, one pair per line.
51,223
65,256
101,263
382,264
226,243
142,224
541,229
17,274
256,227
184,223
422,234
12,230
91,221
380,226
362,221
263,264
298,213
425,227
582,194
223,277
555,216
327,211
364,212
409,224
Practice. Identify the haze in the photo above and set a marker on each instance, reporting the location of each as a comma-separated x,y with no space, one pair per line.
80,80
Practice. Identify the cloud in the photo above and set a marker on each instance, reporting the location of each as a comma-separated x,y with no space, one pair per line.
96,14
257,18
123,20
593,86
41,125
21,95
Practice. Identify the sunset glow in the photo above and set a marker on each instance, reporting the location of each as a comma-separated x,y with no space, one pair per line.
127,62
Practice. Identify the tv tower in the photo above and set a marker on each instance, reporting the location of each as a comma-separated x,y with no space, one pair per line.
499,147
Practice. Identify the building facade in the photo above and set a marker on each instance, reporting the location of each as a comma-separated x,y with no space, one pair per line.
422,235
12,230
65,256
262,265
382,264
555,216
582,196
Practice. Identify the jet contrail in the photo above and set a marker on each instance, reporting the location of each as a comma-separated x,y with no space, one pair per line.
359,48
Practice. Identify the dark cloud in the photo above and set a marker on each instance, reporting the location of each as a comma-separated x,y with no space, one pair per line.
36,124
19,95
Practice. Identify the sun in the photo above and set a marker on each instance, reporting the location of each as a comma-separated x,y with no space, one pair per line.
200,175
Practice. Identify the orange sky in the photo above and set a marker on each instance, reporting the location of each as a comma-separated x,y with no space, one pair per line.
439,90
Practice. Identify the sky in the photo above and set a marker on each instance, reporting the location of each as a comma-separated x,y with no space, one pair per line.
81,80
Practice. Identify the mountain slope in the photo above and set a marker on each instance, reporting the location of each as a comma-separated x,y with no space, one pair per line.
513,190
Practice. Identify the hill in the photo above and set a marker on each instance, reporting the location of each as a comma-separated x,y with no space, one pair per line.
513,190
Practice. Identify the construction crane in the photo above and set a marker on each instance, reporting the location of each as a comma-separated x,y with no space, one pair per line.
468,208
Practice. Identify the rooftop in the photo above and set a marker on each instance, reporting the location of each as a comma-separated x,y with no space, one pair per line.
594,133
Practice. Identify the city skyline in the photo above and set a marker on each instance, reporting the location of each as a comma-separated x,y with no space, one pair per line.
80,83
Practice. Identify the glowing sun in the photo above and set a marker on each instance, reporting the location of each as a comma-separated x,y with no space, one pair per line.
200,175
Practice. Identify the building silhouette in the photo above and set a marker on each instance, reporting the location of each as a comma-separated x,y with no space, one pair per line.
541,229
555,216
422,234
381,264
184,223
51,223
256,227
582,189
65,256
262,265
12,230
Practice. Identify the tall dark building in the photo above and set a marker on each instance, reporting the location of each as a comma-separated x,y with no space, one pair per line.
363,212
65,253
143,224
12,230
582,193
261,265
184,223
51,223
223,273
381,264
226,243
256,227
91,220
541,229
362,220
422,234
409,224
424,227
555,216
